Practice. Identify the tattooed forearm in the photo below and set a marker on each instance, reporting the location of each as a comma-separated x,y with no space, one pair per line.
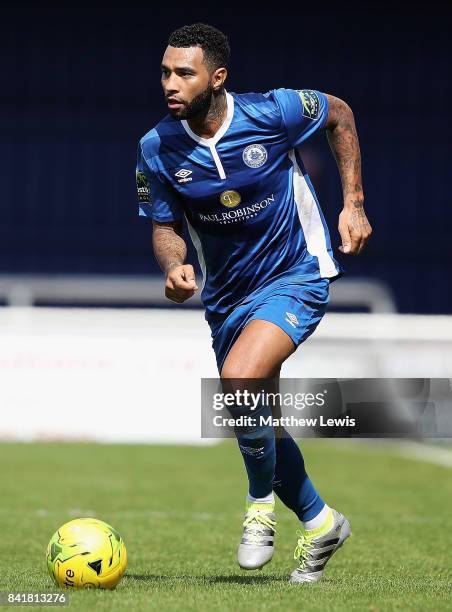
169,246
354,228
343,140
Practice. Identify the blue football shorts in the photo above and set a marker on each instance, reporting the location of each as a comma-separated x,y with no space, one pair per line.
296,306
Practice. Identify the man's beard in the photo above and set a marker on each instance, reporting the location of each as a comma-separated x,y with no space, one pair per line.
198,106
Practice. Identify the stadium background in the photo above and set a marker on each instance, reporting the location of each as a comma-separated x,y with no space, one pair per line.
98,359
81,86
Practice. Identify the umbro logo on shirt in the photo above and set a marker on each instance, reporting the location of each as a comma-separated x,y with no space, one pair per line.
183,175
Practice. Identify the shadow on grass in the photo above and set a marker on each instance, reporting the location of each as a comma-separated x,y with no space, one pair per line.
203,579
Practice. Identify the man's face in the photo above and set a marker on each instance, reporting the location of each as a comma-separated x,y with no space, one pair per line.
186,81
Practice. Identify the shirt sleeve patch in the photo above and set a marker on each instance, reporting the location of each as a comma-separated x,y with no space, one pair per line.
143,188
310,103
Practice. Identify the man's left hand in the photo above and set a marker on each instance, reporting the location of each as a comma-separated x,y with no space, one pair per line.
354,228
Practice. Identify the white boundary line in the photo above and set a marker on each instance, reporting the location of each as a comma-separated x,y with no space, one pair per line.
407,449
425,453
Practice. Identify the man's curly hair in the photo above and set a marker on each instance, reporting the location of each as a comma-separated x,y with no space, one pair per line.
213,42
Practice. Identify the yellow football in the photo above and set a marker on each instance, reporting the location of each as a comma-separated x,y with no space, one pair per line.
86,553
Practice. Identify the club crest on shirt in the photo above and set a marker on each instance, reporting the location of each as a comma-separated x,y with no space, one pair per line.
255,155
310,103
143,188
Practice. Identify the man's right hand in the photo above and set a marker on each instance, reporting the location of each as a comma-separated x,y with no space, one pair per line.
180,283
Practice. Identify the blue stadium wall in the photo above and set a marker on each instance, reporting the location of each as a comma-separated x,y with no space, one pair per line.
81,85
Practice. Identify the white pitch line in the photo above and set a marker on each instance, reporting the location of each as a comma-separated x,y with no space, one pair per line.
408,449
426,453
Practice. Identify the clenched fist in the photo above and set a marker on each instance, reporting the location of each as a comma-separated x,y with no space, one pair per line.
180,283
354,228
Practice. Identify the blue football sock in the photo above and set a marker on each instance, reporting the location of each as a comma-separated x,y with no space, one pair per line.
258,452
291,483
257,445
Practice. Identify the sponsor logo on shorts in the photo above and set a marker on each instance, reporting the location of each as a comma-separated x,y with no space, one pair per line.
240,214
255,155
311,103
292,319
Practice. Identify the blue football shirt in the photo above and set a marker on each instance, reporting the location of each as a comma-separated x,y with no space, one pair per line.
250,207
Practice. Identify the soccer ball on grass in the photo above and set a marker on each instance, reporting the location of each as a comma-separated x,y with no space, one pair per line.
86,553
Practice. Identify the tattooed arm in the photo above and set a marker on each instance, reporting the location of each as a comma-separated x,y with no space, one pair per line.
354,227
170,251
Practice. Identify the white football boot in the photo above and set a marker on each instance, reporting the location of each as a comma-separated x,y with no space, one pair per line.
315,547
257,544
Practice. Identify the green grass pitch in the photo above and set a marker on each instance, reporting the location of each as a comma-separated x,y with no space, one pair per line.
179,510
